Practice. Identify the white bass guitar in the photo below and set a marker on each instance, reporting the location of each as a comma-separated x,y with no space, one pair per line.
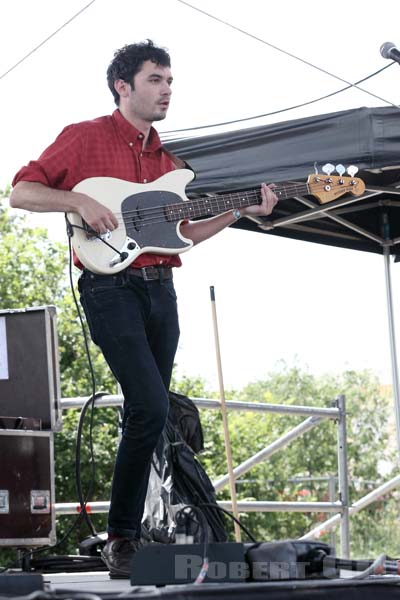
149,214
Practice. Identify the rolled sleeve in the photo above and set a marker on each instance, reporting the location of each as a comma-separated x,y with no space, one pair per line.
60,164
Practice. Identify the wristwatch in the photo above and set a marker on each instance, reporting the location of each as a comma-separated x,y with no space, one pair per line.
236,213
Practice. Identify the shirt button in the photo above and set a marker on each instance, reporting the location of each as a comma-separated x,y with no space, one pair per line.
131,143
140,136
144,180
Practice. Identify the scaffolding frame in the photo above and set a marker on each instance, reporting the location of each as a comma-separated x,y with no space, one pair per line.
314,417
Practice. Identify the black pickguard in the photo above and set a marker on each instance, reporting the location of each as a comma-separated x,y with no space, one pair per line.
146,222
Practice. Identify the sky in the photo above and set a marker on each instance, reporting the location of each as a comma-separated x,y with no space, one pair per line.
322,309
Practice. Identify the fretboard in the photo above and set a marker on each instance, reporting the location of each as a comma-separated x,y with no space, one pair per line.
220,203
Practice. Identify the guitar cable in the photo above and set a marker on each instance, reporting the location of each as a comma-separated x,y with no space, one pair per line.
70,232
83,498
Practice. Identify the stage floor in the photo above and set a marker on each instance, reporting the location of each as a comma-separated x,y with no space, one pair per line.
99,585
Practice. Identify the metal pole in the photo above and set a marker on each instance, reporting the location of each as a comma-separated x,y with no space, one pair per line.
70,508
117,400
392,338
228,450
343,479
332,496
366,500
268,451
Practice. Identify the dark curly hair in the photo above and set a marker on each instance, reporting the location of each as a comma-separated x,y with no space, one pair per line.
128,61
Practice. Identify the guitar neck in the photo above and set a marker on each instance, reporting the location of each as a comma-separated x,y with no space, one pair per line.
215,205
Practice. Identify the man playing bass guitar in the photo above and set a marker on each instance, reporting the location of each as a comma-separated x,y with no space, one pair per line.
131,312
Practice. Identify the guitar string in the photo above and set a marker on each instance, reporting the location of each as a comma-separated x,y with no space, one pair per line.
157,214
177,213
160,217
190,209
214,202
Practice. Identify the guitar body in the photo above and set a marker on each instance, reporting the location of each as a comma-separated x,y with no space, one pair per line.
142,212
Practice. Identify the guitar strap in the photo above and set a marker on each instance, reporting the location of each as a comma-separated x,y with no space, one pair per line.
178,162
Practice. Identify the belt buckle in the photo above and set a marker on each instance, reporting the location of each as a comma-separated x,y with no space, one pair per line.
147,276
144,274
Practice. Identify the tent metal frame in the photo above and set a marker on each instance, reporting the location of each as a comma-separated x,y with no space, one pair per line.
386,197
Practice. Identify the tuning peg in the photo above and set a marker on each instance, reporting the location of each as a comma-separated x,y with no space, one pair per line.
341,169
352,170
328,168
316,167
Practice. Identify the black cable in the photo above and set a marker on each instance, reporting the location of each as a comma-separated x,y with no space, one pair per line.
78,310
182,517
388,565
68,563
71,227
281,110
196,509
89,402
83,498
231,516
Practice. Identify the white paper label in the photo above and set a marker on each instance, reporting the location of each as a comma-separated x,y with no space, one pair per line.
3,349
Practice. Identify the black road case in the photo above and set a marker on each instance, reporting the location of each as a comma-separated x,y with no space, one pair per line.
27,497
29,366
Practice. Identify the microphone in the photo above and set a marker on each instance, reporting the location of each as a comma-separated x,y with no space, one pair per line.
389,50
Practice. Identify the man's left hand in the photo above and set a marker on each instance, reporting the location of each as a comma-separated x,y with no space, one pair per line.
267,205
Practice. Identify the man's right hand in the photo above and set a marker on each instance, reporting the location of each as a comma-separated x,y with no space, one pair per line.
38,197
99,218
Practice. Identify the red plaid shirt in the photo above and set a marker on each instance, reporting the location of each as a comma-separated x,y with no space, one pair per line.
105,147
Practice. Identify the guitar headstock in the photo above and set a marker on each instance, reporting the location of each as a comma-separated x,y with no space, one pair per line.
329,187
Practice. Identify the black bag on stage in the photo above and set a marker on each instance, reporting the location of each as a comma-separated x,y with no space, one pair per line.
290,559
185,418
178,479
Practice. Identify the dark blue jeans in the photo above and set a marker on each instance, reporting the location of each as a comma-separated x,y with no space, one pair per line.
135,323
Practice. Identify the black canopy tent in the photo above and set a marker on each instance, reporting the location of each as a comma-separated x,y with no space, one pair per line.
368,138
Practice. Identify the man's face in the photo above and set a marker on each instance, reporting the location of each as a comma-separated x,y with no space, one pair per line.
149,99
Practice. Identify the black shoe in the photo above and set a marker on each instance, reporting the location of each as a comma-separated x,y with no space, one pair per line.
118,554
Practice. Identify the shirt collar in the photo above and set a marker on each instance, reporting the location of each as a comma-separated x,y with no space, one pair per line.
133,136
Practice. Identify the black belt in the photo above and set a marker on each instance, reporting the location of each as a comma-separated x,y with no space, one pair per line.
151,273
